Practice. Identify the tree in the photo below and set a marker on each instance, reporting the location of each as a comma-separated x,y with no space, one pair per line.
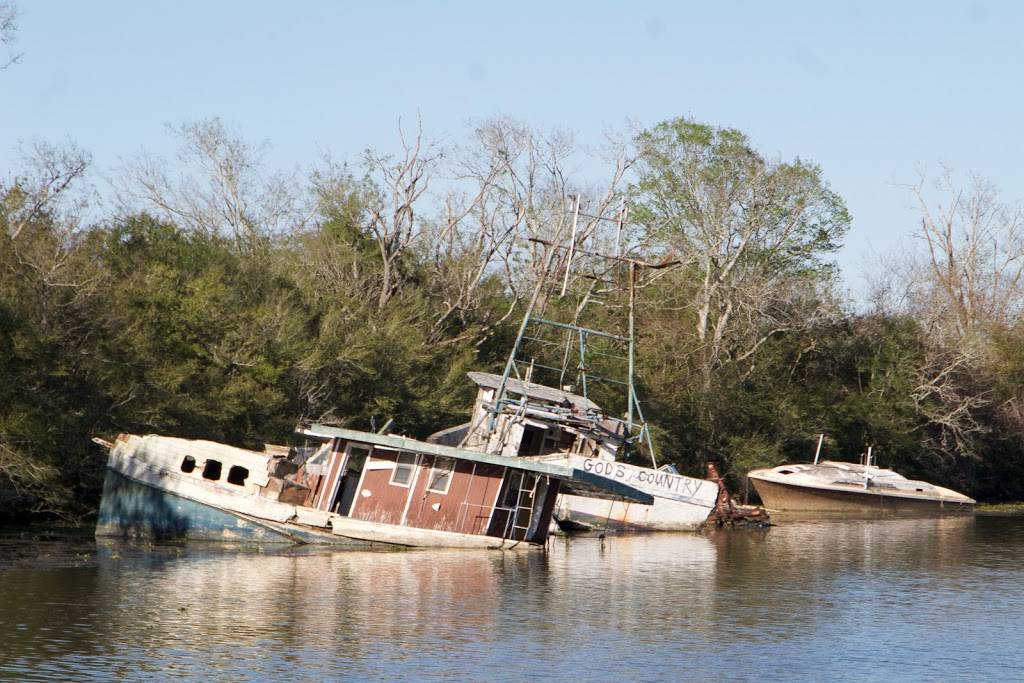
223,188
965,288
53,174
972,279
751,232
521,191
8,31
392,217
197,339
48,294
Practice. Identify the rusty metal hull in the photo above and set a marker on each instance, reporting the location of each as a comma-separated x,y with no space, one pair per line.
799,498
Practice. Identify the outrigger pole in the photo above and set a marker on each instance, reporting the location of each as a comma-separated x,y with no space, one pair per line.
510,364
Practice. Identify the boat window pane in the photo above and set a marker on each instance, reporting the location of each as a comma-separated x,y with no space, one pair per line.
515,481
402,474
188,464
237,475
440,479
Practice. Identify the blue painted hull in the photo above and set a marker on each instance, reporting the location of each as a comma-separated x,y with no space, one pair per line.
132,510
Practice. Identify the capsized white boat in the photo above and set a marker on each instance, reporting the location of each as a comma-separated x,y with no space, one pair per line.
843,487
680,503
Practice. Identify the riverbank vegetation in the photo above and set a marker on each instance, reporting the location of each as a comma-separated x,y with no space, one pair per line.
214,297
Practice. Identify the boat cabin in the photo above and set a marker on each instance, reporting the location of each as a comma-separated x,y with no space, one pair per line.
534,420
393,480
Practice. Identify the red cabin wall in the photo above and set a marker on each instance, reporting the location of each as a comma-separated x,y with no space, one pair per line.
386,501
467,505
465,508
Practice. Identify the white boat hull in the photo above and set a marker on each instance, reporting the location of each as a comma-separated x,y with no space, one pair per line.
680,503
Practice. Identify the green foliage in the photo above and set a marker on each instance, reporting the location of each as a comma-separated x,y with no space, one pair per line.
47,401
702,187
144,325
167,331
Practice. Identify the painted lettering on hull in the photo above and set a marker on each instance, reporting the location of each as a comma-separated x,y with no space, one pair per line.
645,479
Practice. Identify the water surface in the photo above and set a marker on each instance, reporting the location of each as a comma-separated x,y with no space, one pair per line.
924,599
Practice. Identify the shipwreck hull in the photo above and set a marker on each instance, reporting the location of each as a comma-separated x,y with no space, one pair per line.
778,497
574,513
397,492
680,503
132,510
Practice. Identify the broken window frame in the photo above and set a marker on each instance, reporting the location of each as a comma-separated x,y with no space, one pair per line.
321,455
237,475
442,471
212,467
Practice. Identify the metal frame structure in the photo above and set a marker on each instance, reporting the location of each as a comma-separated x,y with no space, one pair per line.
634,425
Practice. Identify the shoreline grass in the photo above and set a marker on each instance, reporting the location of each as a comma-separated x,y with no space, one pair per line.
1000,508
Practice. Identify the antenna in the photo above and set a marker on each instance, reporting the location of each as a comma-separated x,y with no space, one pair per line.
821,438
618,228
572,244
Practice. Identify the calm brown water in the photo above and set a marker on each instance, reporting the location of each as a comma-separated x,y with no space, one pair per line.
928,600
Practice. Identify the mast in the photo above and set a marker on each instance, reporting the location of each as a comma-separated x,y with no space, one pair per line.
632,346
610,345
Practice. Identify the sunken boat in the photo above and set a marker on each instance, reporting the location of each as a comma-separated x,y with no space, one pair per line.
354,488
852,488
538,423
541,408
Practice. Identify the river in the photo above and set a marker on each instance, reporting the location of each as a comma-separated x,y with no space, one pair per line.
923,599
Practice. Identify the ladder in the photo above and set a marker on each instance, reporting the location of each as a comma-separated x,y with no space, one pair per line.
519,530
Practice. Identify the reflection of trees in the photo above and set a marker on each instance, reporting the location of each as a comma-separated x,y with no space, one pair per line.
342,601
779,580
658,580
228,609
662,606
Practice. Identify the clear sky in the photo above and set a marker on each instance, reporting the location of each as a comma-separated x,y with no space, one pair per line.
870,91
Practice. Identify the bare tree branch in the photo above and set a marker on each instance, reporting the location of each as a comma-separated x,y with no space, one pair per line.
8,32
222,188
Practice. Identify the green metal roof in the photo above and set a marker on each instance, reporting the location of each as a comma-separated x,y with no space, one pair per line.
574,481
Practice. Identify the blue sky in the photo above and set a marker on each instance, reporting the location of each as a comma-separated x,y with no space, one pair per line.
870,91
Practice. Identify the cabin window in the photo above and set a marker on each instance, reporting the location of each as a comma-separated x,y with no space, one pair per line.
530,443
441,475
237,475
321,454
402,474
556,441
188,465
211,470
